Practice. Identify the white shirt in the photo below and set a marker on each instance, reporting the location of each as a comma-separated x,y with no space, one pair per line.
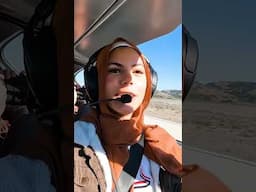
147,179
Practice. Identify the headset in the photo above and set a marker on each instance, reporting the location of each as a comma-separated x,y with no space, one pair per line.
190,55
91,78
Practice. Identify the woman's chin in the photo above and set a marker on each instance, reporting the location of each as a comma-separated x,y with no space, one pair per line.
123,109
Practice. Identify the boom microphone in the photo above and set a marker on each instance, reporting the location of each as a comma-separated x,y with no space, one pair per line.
123,99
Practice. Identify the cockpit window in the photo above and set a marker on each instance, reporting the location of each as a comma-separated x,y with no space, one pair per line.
12,53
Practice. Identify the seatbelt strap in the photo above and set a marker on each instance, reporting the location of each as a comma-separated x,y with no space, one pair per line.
131,168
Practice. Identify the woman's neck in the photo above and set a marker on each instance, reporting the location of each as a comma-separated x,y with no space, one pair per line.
126,117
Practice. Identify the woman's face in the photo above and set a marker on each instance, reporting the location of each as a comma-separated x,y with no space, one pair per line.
125,75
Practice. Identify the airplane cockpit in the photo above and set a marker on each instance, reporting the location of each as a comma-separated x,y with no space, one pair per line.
30,71
30,67
29,90
28,53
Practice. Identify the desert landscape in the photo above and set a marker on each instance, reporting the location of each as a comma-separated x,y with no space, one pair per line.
166,105
221,117
217,117
222,128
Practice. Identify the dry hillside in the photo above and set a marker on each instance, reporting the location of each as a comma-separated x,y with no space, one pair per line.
166,105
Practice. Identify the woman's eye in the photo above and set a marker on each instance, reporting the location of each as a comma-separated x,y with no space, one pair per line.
114,70
138,71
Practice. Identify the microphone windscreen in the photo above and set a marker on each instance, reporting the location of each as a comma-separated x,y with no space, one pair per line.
126,98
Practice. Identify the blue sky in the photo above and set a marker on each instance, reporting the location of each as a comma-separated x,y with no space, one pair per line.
164,54
225,32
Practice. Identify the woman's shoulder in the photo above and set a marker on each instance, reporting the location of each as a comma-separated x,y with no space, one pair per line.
84,132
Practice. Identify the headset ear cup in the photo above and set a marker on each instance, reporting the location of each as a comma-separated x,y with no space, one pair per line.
154,79
190,55
91,78
91,83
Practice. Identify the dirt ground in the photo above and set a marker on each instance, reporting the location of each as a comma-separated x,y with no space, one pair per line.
169,109
225,128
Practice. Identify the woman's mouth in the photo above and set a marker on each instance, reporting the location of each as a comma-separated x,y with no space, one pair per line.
125,97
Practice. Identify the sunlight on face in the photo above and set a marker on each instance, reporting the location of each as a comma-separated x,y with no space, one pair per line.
126,75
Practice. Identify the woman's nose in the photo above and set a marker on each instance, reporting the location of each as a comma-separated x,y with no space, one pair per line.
126,78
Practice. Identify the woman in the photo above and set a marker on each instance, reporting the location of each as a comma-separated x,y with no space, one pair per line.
106,133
